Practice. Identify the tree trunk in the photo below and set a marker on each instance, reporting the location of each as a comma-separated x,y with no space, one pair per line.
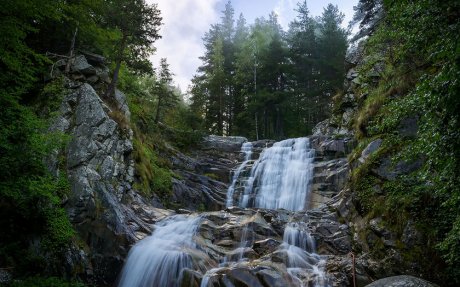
71,52
113,84
157,116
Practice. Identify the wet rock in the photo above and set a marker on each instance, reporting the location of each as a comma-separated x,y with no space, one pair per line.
271,278
401,281
243,278
266,246
190,278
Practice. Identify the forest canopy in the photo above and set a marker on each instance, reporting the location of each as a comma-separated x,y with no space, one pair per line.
260,81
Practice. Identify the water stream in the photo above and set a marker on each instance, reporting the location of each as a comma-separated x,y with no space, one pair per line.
246,149
303,262
159,259
280,178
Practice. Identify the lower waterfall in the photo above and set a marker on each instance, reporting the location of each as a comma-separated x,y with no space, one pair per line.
159,259
302,258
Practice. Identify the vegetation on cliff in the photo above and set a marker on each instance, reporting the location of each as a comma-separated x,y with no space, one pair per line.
409,98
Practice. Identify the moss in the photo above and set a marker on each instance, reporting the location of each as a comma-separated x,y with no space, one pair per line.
154,175
212,176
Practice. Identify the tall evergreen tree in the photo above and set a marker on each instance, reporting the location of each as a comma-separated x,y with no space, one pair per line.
166,98
138,24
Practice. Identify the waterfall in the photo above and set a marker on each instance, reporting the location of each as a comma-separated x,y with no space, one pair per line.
246,149
159,259
280,178
302,260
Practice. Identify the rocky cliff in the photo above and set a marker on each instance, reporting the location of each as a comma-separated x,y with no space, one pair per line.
107,213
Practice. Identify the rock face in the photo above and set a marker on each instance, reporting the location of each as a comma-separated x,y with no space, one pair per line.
204,174
102,205
331,171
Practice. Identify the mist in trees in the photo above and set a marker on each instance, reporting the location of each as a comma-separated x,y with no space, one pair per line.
261,81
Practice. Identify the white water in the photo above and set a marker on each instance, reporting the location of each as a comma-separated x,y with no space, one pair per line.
303,262
246,148
159,259
281,177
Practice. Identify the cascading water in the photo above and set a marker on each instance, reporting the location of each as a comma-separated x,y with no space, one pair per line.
302,260
159,259
281,177
246,149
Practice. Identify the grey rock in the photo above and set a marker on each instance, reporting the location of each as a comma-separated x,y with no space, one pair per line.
370,149
103,73
411,236
224,143
271,278
106,212
122,103
80,65
94,59
388,170
401,281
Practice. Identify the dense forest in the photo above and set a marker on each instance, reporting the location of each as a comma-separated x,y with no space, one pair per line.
262,82
256,80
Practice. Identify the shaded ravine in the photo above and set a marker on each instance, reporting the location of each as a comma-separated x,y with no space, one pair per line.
179,253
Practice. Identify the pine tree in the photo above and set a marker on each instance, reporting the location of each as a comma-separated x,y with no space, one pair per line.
138,24
166,98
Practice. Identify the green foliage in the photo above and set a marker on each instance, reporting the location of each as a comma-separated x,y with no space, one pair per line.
30,197
45,282
262,82
153,174
412,71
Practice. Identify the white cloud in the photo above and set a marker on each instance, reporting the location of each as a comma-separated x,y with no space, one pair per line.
285,10
184,24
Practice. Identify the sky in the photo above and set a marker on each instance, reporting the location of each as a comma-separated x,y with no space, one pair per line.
186,21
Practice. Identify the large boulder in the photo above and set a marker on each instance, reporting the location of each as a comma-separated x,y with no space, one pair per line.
401,281
226,144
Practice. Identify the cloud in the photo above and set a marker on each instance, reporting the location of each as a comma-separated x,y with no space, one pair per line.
184,24
285,10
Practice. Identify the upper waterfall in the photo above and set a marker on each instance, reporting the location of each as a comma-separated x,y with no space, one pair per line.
246,149
280,178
